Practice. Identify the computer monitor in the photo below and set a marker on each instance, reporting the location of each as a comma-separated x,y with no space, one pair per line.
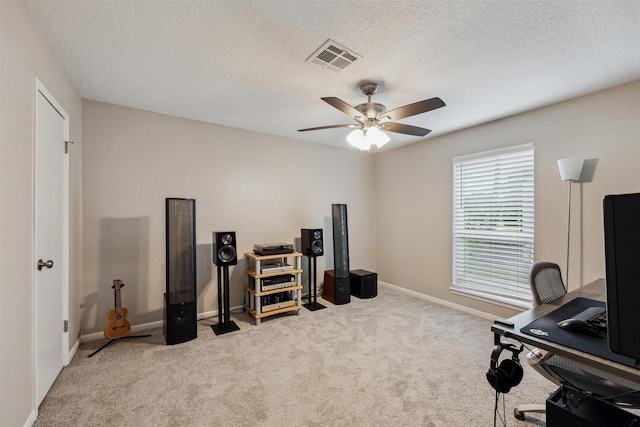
621,215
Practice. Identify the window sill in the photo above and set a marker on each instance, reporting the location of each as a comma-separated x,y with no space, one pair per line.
493,299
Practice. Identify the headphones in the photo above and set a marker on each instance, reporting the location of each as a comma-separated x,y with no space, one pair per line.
509,373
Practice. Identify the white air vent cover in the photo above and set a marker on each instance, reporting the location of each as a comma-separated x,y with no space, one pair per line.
333,56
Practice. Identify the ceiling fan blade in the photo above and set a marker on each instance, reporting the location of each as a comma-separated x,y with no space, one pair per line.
406,129
413,109
342,106
328,127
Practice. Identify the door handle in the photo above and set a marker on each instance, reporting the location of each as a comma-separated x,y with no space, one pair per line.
42,264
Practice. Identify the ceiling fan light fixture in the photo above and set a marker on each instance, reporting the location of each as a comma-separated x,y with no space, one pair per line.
374,136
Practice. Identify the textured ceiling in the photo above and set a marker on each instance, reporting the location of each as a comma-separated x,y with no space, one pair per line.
243,63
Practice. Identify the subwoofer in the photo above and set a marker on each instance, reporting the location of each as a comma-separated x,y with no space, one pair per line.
224,248
180,317
336,289
363,283
311,242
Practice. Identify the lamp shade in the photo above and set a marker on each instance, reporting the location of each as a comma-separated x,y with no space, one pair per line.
374,136
570,168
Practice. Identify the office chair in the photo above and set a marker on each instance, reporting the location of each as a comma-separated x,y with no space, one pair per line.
546,285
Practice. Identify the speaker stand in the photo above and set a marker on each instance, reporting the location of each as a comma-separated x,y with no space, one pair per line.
313,304
117,339
225,324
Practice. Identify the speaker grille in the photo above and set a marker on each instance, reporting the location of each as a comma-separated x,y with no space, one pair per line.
181,250
340,240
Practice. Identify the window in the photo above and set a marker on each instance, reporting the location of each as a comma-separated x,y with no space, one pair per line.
493,225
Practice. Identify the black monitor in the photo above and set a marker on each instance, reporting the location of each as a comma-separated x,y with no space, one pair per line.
621,215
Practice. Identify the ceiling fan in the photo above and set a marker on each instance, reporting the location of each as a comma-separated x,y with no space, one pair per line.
372,117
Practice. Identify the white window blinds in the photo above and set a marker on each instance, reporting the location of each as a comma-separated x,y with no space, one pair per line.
493,225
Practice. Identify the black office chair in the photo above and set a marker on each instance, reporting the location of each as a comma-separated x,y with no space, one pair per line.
546,285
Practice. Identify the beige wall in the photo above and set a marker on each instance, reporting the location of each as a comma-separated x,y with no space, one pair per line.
414,187
263,187
26,56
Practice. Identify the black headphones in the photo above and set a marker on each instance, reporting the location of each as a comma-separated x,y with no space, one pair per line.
509,373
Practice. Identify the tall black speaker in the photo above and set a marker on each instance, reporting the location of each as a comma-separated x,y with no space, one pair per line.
180,311
311,242
341,292
224,248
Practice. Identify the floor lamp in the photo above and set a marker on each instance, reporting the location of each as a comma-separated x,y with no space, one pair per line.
570,170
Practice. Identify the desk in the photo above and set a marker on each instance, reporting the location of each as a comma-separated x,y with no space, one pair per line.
594,290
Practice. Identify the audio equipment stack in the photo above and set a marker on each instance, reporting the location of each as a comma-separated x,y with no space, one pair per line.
224,255
180,308
313,247
273,284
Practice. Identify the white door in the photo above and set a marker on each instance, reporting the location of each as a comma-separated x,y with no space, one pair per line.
51,130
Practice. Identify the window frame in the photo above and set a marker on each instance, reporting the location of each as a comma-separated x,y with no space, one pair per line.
511,172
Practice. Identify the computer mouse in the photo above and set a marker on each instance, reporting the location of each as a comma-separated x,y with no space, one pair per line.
579,326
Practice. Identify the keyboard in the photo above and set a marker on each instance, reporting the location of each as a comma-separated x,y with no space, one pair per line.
595,316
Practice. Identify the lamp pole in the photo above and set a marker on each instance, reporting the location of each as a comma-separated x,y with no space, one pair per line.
568,236
570,170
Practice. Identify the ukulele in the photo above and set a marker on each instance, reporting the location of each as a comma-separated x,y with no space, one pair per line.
118,324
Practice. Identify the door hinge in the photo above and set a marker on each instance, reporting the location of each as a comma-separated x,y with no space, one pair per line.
66,146
66,326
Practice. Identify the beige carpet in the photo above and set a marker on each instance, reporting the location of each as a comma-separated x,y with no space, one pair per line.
393,360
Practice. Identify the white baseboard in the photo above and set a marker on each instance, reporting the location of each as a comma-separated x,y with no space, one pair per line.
33,416
458,307
151,325
72,352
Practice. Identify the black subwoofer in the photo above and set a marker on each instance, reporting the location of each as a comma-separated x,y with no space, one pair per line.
311,242
224,248
180,317
363,283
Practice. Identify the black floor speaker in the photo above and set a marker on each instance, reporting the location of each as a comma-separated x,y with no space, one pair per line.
336,289
336,281
363,283
180,317
180,322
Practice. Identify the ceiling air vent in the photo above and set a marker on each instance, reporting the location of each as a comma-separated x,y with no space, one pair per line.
333,56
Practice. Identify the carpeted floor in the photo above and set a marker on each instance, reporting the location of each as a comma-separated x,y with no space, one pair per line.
392,360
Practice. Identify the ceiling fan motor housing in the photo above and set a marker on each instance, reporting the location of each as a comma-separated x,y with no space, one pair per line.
371,110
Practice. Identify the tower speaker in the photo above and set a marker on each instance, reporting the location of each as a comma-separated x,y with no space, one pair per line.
224,248
340,241
311,242
336,286
180,318
336,289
